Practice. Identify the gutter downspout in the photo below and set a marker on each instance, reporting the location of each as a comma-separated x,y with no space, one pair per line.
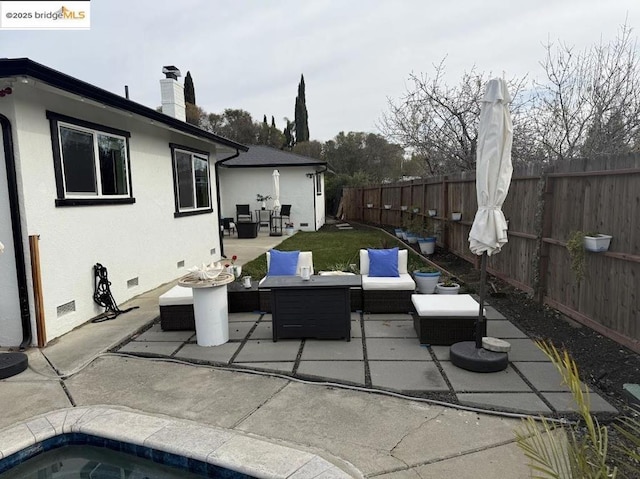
215,167
16,227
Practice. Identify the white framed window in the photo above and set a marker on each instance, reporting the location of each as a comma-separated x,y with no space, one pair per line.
191,181
91,162
318,183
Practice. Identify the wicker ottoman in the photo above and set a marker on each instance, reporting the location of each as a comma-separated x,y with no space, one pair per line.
176,309
444,319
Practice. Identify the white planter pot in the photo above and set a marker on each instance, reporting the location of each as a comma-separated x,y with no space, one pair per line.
404,208
369,205
398,232
597,243
433,212
440,289
426,282
456,216
412,239
288,231
387,207
427,245
403,235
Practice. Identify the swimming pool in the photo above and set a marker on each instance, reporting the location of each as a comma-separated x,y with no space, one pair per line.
78,455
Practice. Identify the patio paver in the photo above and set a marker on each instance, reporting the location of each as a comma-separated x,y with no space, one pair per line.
155,333
315,349
407,376
563,402
525,402
218,354
349,371
396,349
281,367
268,351
468,381
164,348
503,329
389,329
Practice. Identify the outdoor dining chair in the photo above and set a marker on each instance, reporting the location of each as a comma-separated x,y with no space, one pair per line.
243,213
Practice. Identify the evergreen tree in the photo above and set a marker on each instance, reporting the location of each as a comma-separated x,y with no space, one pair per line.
273,122
301,117
189,90
289,139
264,120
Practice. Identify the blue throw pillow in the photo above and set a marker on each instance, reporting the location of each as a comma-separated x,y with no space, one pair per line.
283,263
383,263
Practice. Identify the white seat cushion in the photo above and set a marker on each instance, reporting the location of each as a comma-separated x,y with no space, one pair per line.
175,296
446,305
402,283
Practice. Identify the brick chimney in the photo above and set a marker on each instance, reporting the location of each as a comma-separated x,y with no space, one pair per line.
172,93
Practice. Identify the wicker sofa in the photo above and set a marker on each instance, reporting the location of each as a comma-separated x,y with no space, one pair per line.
387,294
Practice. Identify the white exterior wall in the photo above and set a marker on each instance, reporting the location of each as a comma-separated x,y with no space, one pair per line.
320,204
142,240
241,185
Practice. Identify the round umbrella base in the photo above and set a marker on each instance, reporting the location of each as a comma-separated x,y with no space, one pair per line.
465,355
12,364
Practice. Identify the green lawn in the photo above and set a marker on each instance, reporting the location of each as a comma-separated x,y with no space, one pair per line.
333,250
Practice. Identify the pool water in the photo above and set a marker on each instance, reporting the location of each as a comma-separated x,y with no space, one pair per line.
85,456
93,462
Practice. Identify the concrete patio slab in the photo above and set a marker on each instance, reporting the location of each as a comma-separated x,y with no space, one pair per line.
349,371
264,330
542,375
390,329
239,330
155,333
563,402
491,312
525,350
268,351
454,433
487,463
158,348
441,352
528,403
209,396
396,349
503,329
356,331
315,349
468,381
21,399
217,354
339,422
407,376
279,367
39,369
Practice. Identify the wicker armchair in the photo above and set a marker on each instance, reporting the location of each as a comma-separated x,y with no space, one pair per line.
387,295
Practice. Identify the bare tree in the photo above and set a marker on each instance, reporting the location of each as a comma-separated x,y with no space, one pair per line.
590,104
439,123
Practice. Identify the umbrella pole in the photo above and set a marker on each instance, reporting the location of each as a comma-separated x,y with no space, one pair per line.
483,291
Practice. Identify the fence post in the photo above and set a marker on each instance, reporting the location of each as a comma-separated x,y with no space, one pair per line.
544,223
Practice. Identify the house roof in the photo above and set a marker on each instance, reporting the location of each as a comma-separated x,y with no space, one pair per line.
10,67
265,156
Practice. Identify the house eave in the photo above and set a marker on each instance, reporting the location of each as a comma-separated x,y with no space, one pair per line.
24,67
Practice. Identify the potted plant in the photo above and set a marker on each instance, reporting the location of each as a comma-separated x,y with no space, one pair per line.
433,212
288,229
398,232
426,278
448,286
415,209
387,207
597,242
369,205
404,207
456,216
263,200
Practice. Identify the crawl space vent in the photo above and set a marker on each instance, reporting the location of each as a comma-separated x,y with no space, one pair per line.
180,264
132,282
66,308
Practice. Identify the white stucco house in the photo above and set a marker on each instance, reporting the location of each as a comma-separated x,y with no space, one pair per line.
251,173
86,177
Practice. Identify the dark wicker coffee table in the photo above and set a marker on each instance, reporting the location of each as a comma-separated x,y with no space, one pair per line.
318,308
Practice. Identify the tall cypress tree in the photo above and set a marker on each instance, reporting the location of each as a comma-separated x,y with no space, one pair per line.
301,116
189,90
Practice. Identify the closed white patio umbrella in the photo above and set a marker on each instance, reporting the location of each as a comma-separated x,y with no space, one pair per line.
276,190
489,230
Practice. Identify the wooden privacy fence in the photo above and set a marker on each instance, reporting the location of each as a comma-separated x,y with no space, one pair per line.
543,207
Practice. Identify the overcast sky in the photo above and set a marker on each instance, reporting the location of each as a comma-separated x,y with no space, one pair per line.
249,54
